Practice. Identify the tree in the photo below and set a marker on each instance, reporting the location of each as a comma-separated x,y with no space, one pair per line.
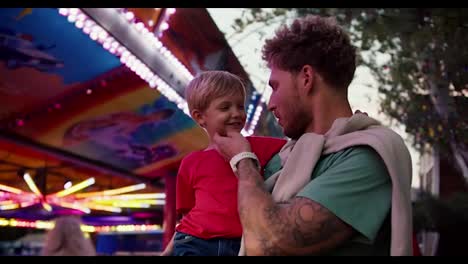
425,80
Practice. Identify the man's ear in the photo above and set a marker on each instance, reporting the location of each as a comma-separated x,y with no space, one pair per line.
308,76
198,116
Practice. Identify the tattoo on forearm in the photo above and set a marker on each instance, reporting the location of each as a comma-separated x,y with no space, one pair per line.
251,187
313,222
270,249
298,226
248,172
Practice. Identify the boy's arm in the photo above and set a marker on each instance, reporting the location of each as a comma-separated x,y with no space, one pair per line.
184,200
170,246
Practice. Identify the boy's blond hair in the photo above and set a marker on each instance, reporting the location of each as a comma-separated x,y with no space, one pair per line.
209,85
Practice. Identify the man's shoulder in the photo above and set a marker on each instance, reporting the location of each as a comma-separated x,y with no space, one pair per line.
386,137
355,152
354,158
364,150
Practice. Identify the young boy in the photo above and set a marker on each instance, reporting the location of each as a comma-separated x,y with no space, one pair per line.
206,192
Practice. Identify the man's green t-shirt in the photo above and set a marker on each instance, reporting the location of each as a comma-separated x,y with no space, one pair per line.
354,184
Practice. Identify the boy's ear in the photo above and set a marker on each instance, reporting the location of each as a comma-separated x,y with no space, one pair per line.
197,115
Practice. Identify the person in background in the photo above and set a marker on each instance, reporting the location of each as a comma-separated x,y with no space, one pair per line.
67,239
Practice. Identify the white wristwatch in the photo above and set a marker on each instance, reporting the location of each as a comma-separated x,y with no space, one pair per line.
243,155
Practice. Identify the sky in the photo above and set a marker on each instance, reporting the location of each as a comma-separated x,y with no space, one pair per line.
363,93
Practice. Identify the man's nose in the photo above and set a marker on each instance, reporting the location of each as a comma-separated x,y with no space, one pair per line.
271,106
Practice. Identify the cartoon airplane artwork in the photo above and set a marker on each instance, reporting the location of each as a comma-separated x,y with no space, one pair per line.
18,50
115,132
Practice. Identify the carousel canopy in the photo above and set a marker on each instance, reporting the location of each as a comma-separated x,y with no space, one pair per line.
92,112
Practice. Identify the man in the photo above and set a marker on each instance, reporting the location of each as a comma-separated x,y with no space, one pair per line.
345,180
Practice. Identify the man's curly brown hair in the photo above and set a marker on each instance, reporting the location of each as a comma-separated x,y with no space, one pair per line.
315,41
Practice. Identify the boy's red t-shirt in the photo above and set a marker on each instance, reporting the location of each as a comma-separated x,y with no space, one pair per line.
206,190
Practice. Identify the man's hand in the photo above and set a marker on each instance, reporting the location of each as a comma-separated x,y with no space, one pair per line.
359,112
231,144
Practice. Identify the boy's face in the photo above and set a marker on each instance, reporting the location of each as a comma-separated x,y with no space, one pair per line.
226,113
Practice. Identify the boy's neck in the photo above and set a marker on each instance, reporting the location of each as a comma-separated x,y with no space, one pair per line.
210,147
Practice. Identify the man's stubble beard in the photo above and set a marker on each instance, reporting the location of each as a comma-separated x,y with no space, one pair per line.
298,121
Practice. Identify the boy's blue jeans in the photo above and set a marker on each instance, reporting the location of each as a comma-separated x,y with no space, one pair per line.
188,245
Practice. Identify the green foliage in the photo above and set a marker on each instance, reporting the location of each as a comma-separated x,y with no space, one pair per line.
427,48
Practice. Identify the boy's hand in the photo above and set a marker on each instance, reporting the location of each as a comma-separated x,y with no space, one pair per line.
231,144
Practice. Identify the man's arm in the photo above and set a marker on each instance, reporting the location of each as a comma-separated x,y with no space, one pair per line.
298,227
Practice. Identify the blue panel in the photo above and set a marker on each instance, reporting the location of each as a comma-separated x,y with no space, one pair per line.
44,34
